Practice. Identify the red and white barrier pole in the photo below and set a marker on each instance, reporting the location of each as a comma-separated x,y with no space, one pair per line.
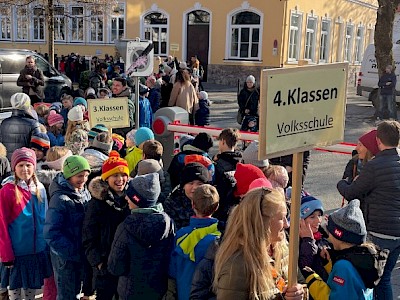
341,148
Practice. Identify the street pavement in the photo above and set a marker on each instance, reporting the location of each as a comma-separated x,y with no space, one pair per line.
325,169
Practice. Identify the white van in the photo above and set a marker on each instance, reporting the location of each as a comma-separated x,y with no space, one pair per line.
367,82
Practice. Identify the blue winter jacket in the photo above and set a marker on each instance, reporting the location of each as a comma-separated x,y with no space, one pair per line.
154,99
191,246
64,219
145,113
140,254
56,140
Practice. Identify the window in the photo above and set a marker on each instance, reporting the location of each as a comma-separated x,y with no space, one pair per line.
38,23
245,36
348,43
96,20
324,41
117,23
77,27
59,23
155,29
21,16
5,23
309,51
359,44
294,36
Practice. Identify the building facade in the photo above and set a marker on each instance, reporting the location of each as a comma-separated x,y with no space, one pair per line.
232,38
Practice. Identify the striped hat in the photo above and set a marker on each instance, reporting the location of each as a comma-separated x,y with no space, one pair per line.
113,165
94,131
23,154
40,141
54,119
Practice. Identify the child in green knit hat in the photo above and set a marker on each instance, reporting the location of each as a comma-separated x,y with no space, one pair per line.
63,226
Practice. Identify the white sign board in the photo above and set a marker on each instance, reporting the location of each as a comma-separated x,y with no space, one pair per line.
302,107
139,58
113,113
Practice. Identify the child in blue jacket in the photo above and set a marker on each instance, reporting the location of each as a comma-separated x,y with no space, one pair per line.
192,241
63,226
145,111
354,267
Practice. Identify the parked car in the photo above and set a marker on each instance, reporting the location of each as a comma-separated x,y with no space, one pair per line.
12,61
367,82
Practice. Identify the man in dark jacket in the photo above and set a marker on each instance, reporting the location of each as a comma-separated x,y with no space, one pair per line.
154,93
31,79
119,89
17,130
387,85
98,77
378,188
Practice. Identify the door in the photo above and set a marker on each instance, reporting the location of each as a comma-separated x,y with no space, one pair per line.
198,37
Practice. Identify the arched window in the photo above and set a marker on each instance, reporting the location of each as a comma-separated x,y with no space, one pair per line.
156,30
245,34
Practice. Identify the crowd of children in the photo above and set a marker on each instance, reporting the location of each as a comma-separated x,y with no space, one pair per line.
90,212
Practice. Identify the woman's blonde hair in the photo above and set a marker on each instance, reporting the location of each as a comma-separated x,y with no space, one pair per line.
248,234
72,126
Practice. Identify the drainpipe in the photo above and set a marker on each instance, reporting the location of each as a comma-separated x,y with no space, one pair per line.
285,28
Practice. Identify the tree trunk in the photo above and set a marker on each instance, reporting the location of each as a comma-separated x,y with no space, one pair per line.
384,33
50,23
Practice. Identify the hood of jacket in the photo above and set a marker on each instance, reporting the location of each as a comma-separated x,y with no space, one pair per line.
94,157
62,186
149,226
100,190
46,176
193,149
22,114
368,261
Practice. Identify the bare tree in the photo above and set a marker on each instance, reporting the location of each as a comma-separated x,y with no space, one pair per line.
384,32
101,6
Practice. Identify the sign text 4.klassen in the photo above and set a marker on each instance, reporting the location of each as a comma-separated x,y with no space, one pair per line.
298,96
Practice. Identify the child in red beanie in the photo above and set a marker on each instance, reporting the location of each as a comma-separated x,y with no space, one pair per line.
106,210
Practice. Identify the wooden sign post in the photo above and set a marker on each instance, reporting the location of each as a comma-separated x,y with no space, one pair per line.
301,108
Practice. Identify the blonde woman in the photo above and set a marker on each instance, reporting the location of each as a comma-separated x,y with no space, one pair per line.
251,262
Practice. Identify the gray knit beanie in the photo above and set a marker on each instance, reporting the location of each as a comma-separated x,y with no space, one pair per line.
144,190
250,156
347,224
102,145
